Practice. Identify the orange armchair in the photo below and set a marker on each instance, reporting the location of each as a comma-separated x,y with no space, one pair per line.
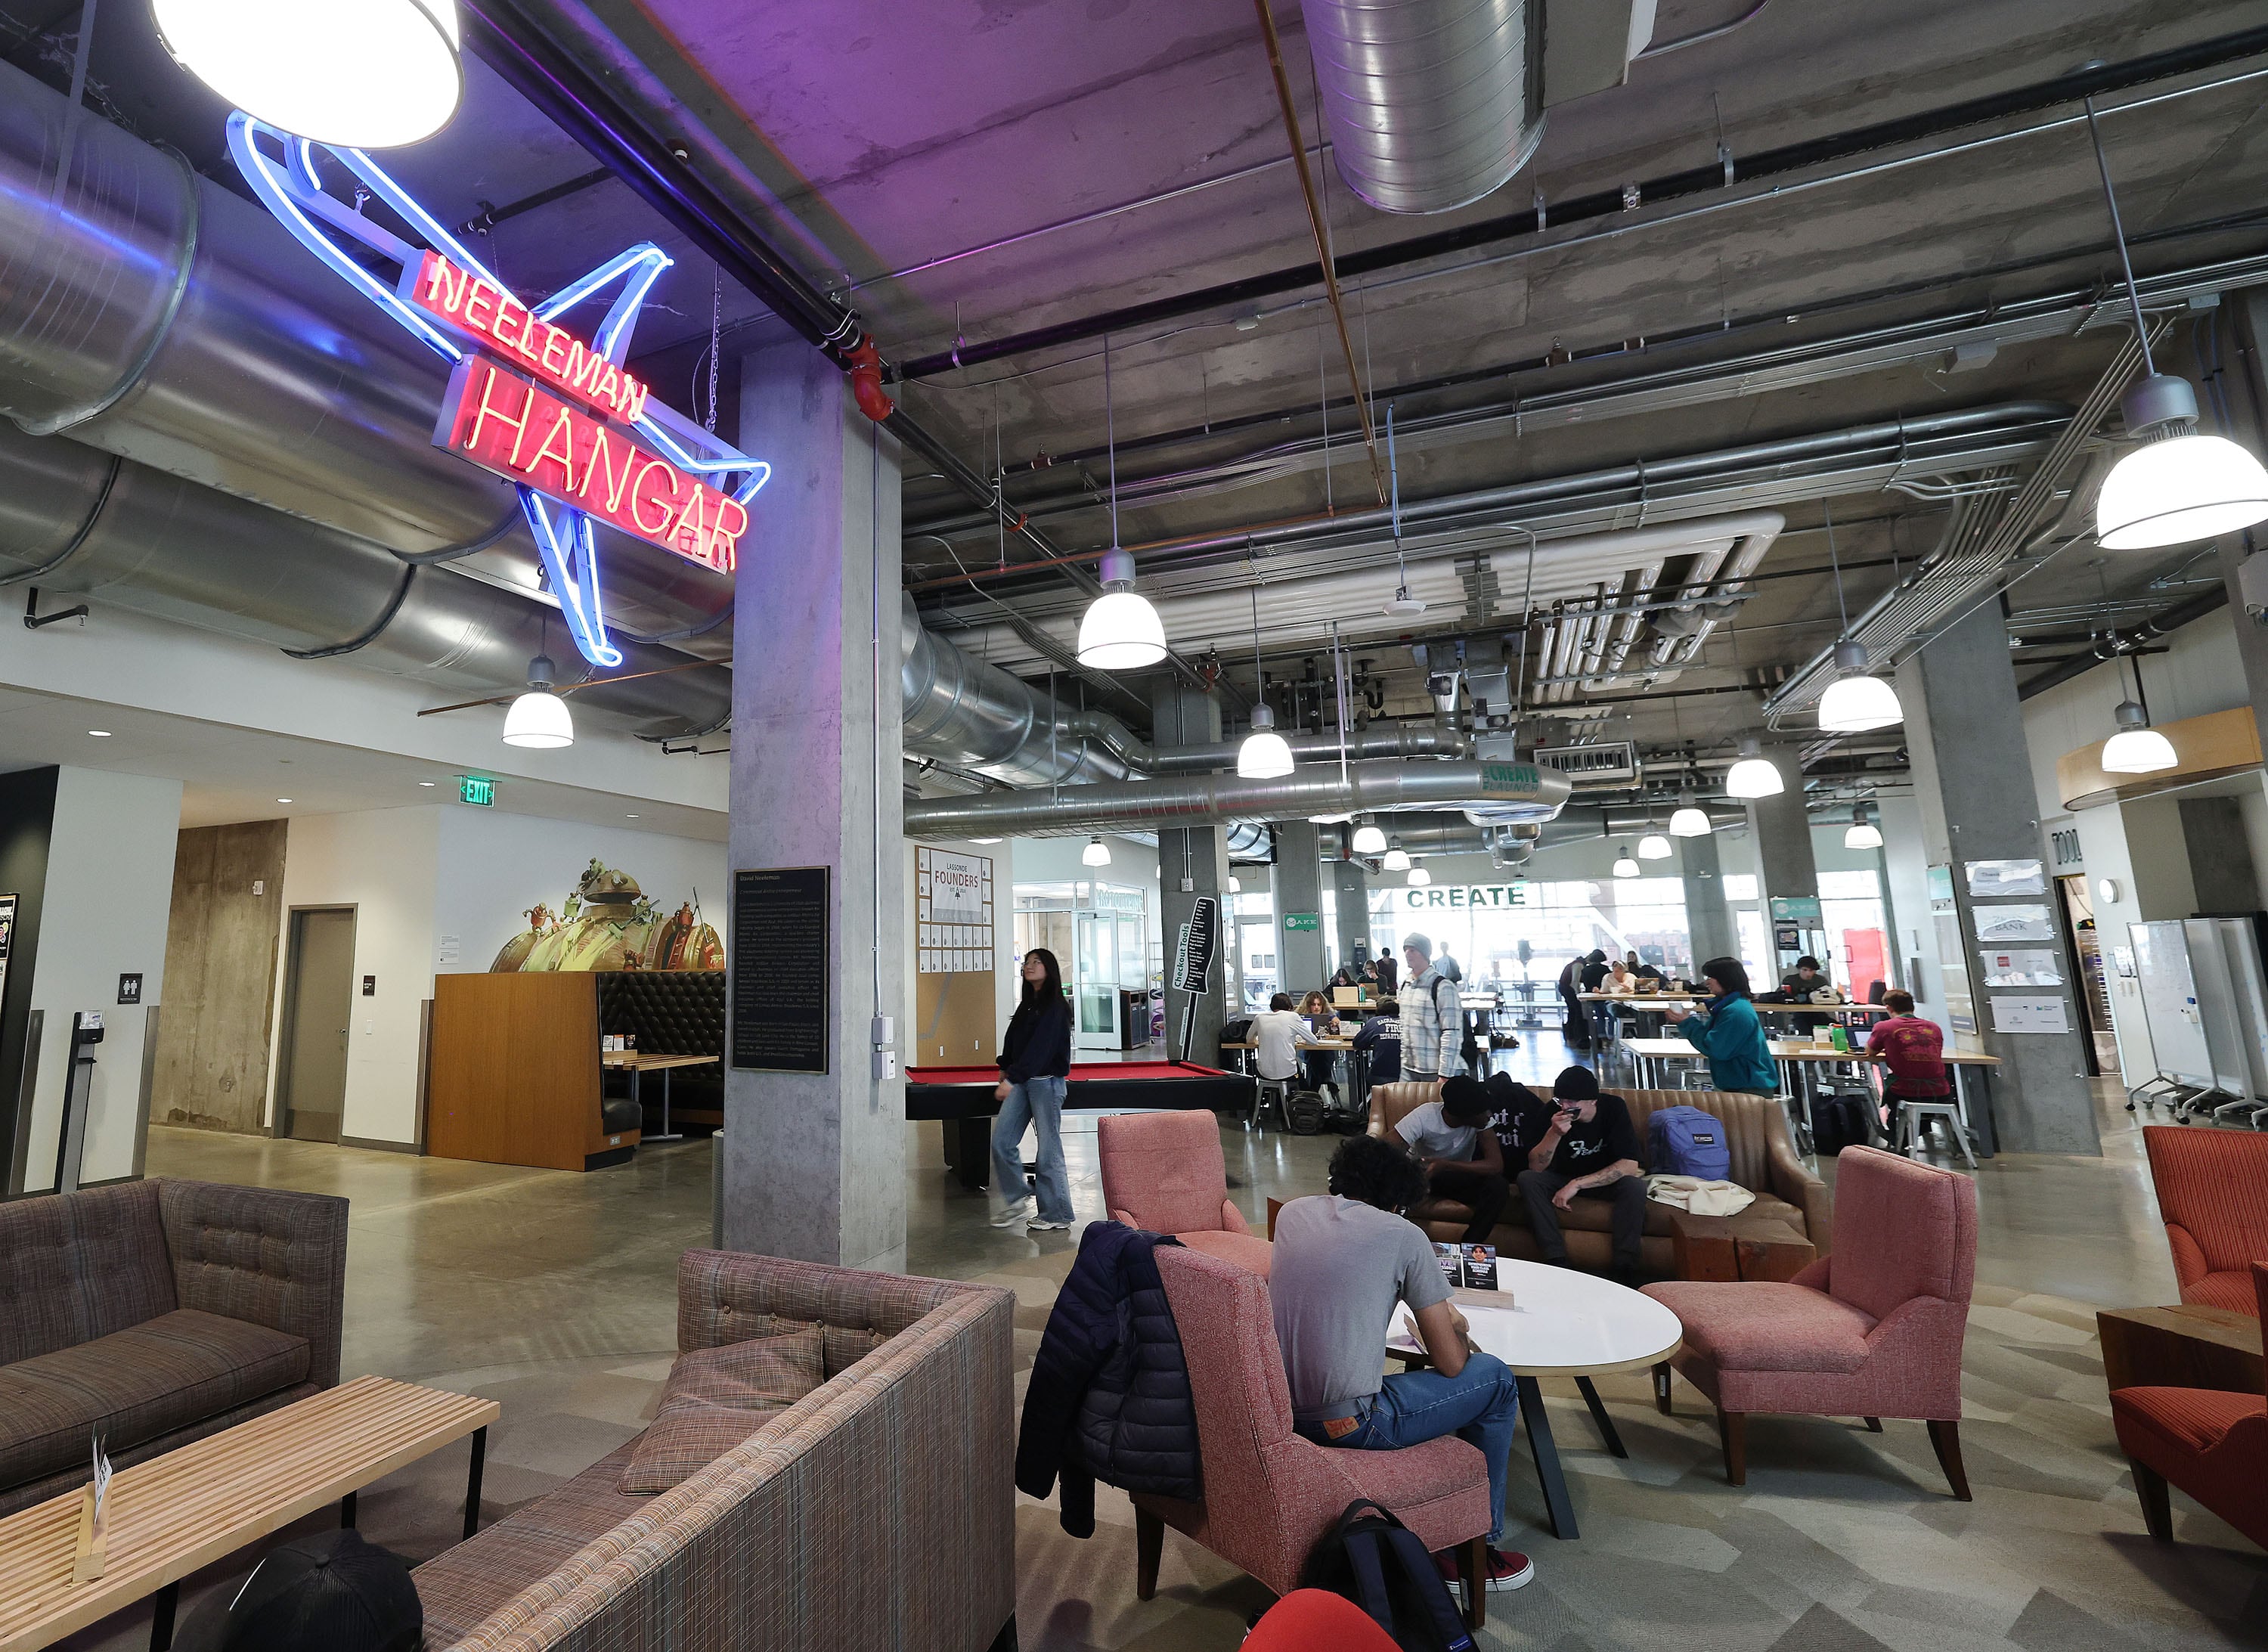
1163,1172
2213,1445
2213,1193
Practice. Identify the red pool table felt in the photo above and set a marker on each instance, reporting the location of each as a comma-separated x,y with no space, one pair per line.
1082,1071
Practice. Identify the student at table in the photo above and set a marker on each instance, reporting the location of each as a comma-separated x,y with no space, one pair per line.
1343,1262
1453,1144
1586,1147
1380,1037
1316,1011
1913,1050
1799,984
1727,1030
1277,1032
1034,1064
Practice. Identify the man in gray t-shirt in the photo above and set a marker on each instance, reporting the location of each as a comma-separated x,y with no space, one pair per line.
1343,1262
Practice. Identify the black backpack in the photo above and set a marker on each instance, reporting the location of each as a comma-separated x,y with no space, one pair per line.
1303,1112
1836,1121
1377,1563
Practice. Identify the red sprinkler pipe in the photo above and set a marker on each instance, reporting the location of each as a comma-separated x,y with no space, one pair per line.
865,366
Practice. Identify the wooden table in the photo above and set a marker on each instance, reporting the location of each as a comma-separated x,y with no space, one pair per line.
1560,1322
179,1512
2184,1346
1737,1248
635,1062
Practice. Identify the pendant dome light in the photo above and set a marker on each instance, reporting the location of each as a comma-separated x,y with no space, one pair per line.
1121,630
1368,840
1687,821
1755,775
2137,747
1856,700
1624,867
1396,858
539,719
1653,846
361,74
1418,876
1265,755
1863,833
1097,853
2178,486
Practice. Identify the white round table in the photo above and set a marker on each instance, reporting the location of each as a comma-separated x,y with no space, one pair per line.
1561,1323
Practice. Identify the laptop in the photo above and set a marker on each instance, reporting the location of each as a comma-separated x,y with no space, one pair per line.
1346,995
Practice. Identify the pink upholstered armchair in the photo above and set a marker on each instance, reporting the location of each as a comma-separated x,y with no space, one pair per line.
1277,1493
2213,1193
1873,1330
1163,1172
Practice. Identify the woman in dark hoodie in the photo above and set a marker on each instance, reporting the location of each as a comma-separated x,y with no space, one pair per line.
1035,1074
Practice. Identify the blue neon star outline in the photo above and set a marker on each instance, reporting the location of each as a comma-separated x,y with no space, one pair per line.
564,537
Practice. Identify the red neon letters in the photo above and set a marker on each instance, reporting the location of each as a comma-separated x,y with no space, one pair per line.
496,318
524,434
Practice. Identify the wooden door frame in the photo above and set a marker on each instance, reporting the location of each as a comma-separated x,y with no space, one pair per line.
279,1119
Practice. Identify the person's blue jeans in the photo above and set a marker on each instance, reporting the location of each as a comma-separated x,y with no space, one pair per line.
1038,1104
1480,1406
1603,1022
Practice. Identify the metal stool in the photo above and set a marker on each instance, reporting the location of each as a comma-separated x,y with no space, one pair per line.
1265,1091
1912,1116
1799,1127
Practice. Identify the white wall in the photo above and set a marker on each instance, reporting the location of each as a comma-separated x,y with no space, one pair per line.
2199,673
107,901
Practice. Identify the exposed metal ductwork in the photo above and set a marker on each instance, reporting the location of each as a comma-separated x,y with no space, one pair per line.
966,712
1221,800
1380,740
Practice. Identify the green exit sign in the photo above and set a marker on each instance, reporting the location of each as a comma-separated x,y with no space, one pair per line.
471,788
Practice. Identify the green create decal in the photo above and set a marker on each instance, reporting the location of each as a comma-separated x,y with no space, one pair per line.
1510,780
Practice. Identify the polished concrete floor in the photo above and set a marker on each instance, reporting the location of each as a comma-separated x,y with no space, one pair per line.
553,1292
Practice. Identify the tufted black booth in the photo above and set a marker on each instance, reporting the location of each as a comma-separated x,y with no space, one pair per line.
672,1013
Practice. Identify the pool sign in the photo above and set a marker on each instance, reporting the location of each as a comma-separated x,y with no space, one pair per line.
558,415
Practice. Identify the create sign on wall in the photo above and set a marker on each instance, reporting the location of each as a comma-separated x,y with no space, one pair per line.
1484,896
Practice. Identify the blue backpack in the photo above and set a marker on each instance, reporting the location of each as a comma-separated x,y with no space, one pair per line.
1686,1141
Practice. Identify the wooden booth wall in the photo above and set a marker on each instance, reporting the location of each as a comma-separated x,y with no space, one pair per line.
513,1075
956,1017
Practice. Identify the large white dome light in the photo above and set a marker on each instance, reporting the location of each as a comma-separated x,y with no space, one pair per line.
359,74
2179,489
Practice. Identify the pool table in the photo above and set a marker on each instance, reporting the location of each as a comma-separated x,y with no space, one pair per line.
961,1099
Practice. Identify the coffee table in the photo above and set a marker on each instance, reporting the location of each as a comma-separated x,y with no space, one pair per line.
1561,1323
2187,1345
180,1512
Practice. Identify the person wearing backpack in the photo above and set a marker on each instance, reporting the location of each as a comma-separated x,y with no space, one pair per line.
1433,1017
1343,1262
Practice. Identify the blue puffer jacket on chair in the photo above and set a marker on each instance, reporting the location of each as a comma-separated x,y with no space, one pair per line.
1109,1395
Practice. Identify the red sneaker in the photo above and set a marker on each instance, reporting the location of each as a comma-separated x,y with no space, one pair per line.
1509,1570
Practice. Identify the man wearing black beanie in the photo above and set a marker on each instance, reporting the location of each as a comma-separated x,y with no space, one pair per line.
1588,1148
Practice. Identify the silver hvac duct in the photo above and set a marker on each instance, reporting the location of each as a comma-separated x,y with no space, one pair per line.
1219,799
1427,102
1392,739
73,519
149,313
977,715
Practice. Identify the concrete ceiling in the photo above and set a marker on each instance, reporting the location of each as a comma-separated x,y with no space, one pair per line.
893,138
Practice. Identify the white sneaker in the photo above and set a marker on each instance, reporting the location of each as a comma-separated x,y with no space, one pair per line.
1041,1224
1013,1212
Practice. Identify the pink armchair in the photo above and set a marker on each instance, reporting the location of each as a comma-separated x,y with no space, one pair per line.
1275,1493
1873,1329
1163,1172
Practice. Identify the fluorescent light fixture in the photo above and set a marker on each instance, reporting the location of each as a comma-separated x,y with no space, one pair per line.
1396,859
2137,747
1624,867
1857,701
429,783
1265,755
1653,846
1368,840
1755,775
538,719
984,840
1121,631
630,817
1097,853
1419,877
99,733
363,74
1688,822
282,800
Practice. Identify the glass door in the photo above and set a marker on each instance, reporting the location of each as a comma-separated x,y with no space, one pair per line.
1096,987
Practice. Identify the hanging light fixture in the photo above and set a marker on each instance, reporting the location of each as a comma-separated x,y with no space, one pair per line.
1121,630
1396,859
538,718
1097,853
1624,867
1863,833
1402,605
361,74
2178,486
2137,747
1755,775
1368,840
1265,755
1687,821
1653,846
1419,877
1856,700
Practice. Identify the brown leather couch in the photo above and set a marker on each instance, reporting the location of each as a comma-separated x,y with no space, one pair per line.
1764,1161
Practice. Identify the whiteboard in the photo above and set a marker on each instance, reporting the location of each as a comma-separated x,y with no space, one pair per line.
2162,968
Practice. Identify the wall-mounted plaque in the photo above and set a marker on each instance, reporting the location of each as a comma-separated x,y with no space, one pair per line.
781,969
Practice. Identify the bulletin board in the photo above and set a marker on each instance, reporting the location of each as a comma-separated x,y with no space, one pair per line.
955,950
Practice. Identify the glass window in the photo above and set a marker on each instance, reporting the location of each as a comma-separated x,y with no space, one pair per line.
1527,929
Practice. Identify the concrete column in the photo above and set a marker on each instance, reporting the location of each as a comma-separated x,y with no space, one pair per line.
1707,916
1193,863
1350,885
1782,826
1971,769
2220,855
815,1164
2246,383
1298,893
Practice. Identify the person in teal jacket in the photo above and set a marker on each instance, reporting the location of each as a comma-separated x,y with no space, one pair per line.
1726,1030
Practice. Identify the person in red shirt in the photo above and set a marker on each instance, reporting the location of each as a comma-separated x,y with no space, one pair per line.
1913,1048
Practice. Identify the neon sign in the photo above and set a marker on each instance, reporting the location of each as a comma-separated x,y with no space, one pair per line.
678,485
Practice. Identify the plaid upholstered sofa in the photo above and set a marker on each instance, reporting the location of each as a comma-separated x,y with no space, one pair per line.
877,1512
155,1313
